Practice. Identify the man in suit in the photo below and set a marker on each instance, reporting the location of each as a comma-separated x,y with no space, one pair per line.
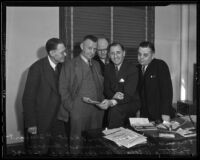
41,100
102,53
103,59
155,86
120,83
81,77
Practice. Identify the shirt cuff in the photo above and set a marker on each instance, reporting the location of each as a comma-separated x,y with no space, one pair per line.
114,102
166,118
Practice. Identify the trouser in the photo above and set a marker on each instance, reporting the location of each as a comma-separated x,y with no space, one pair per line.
116,118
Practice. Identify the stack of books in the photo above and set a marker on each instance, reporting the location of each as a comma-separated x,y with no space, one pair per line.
124,137
187,132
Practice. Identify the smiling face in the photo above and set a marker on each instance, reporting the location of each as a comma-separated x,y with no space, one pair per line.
145,55
88,48
117,54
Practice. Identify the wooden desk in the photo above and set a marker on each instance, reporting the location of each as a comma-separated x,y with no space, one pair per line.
96,144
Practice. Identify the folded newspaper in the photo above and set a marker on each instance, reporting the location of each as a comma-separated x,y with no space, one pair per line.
90,101
124,137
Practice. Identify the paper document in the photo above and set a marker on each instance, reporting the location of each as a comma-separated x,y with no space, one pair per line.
88,100
125,137
140,122
110,131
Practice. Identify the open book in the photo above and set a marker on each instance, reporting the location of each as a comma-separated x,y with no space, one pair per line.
124,137
142,124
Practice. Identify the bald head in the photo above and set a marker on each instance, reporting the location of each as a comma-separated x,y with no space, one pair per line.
102,44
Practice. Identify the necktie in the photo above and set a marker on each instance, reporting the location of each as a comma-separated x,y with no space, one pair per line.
143,70
116,70
90,62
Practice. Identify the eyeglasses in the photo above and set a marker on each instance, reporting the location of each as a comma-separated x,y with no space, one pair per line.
102,50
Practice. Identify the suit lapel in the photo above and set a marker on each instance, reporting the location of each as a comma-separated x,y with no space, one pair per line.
78,71
149,68
122,71
49,75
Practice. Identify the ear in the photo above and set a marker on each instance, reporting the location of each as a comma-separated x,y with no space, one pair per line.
153,55
124,53
81,45
51,53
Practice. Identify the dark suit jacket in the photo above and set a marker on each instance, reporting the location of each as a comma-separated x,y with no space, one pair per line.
70,81
41,98
155,89
102,65
127,72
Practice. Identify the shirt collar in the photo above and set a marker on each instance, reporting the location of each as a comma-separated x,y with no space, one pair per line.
84,59
52,64
103,60
119,66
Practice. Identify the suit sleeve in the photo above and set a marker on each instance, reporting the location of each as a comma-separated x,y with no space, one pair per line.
166,90
107,83
100,80
130,86
29,96
64,86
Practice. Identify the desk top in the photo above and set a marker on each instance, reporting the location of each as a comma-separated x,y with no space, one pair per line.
155,145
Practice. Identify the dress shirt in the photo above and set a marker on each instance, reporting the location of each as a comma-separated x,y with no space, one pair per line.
52,64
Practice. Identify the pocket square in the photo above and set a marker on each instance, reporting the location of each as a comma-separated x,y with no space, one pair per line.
121,80
153,76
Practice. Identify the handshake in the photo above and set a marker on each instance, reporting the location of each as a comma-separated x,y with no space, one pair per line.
112,102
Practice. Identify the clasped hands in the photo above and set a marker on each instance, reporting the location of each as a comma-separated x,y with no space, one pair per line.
112,102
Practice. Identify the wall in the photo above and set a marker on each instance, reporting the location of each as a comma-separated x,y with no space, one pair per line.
27,30
168,44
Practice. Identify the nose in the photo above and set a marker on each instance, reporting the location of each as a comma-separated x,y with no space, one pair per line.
141,56
93,50
65,54
115,55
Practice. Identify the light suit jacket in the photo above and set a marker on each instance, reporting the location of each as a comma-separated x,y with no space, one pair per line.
70,81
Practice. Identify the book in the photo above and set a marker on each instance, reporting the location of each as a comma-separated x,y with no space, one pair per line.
145,128
187,132
125,137
141,124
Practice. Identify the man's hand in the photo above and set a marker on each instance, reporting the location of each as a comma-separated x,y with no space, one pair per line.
32,130
104,104
165,117
138,114
118,95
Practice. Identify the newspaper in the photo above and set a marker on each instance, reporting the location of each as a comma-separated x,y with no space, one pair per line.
124,137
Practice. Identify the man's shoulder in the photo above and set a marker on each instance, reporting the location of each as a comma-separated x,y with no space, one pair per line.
159,62
109,65
39,62
71,62
130,65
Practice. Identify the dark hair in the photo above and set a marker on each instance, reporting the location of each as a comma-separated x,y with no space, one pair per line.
52,44
90,37
147,44
115,44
